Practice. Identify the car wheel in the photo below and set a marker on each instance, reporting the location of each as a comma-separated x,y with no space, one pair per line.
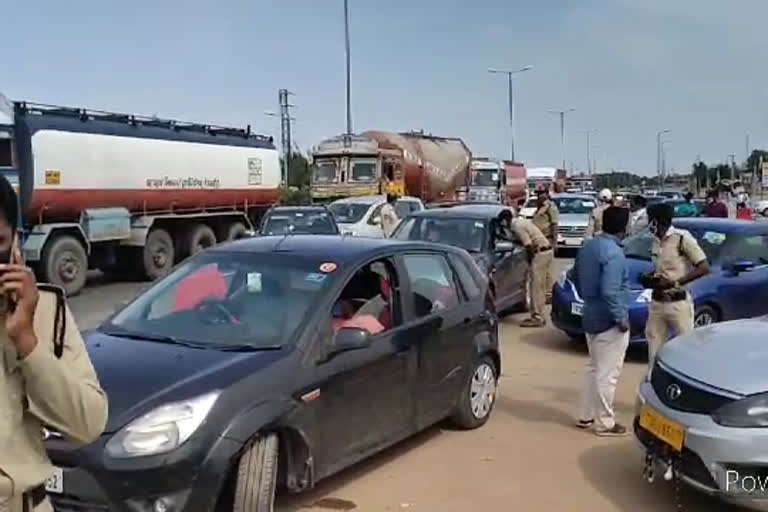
705,315
765,212
257,477
478,396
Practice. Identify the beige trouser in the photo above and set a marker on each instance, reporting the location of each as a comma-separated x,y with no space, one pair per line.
15,504
606,359
664,317
538,281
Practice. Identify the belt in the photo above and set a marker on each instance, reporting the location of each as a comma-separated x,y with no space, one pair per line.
543,249
669,296
33,498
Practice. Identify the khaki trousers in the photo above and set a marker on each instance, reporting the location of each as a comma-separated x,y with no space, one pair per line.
15,504
664,317
538,283
607,351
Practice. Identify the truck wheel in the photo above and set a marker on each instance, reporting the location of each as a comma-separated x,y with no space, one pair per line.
257,477
65,263
158,253
200,238
232,232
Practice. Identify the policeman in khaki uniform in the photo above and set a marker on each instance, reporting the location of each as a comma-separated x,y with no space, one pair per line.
595,224
546,219
673,252
540,256
46,377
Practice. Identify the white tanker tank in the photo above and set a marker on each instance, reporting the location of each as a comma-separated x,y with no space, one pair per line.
115,191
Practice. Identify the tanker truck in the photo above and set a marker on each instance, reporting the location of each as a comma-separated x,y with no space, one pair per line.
434,169
126,193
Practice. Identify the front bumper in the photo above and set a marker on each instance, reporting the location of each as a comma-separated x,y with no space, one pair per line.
564,319
720,461
187,480
569,241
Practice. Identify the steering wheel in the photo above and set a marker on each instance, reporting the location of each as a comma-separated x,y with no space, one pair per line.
216,312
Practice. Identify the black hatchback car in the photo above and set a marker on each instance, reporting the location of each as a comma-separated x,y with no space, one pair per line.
471,227
298,220
272,362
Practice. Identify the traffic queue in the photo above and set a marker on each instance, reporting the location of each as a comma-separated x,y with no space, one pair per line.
269,363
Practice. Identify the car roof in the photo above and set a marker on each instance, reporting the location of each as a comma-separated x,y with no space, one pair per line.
734,226
303,208
569,195
370,199
339,249
464,211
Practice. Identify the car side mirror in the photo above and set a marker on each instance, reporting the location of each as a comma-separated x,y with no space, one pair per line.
504,246
349,338
740,266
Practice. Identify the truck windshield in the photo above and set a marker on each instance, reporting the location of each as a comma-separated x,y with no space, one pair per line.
241,300
363,170
485,178
325,171
348,213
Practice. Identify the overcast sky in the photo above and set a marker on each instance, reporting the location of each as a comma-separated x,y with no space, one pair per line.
629,67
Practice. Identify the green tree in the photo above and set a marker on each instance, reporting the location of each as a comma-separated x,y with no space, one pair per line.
299,170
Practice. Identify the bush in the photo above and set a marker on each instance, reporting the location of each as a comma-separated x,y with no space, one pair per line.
295,196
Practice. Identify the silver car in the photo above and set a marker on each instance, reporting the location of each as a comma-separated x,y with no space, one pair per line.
702,412
574,217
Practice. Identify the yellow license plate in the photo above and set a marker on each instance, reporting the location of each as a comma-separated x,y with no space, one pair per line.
664,429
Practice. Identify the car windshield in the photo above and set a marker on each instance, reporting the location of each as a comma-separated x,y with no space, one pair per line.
349,213
325,171
485,178
469,234
223,299
299,222
639,246
574,204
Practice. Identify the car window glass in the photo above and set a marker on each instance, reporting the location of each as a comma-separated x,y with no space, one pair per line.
432,283
369,301
469,234
403,208
751,248
466,278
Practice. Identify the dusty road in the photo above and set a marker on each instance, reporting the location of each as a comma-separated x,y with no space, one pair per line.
528,457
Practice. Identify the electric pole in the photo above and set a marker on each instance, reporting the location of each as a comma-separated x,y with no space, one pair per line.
562,113
285,129
348,72
589,149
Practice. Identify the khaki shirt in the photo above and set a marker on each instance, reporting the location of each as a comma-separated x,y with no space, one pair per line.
528,234
389,220
595,225
546,219
61,394
675,253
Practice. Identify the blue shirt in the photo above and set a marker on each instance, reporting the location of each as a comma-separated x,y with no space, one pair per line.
600,277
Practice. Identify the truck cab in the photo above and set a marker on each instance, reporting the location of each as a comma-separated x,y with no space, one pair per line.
487,181
353,165
8,155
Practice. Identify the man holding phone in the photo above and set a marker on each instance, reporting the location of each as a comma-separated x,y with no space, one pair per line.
46,377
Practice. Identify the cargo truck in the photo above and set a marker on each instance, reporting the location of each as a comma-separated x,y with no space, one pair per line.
497,181
434,169
128,193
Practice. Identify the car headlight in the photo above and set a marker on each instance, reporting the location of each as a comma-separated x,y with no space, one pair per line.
162,429
749,412
645,297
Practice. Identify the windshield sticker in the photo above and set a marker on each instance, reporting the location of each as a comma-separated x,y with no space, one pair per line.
315,277
327,268
495,176
253,282
478,224
588,204
714,237
299,214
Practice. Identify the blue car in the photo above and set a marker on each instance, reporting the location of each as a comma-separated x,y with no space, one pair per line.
737,286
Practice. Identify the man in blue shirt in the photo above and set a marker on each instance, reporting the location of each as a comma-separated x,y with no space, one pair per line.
600,276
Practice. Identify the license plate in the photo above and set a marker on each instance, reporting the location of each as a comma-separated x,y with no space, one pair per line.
662,428
55,482
573,242
577,308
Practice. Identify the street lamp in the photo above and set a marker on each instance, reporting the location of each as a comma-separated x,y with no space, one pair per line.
511,101
589,149
658,156
562,113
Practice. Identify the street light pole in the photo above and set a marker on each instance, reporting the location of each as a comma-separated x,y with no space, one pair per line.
659,171
511,103
349,79
589,149
562,113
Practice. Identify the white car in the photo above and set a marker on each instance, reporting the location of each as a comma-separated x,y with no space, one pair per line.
359,216
761,207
